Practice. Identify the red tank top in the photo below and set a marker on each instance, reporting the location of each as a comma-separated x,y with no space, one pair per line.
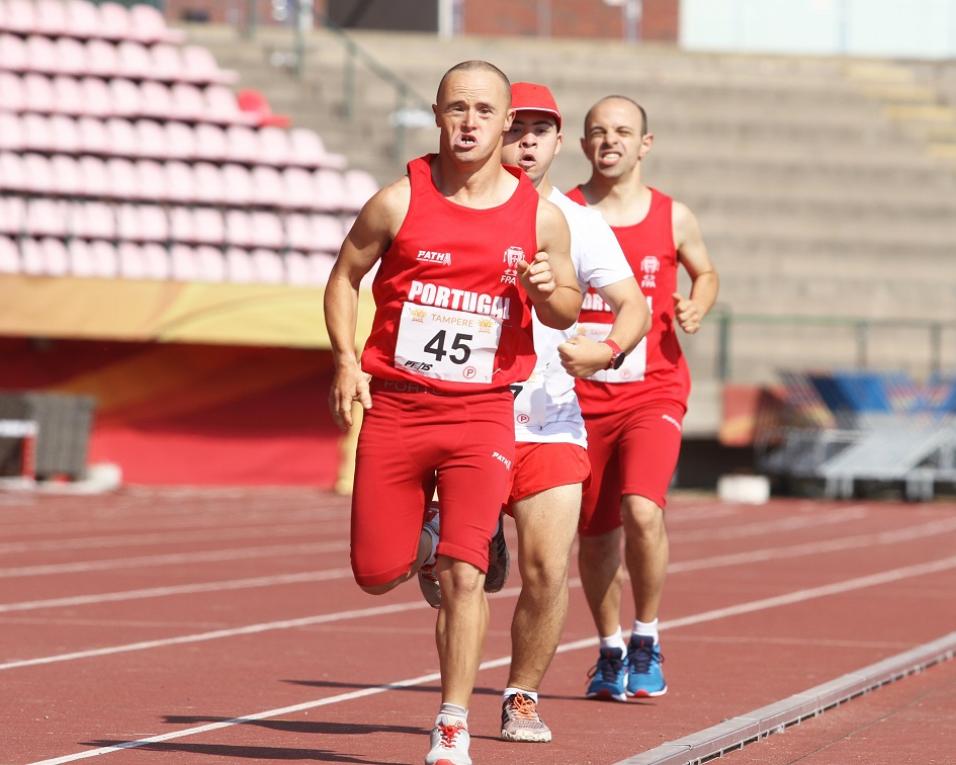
652,255
450,313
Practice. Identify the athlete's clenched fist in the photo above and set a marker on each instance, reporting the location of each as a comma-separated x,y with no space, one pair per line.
537,277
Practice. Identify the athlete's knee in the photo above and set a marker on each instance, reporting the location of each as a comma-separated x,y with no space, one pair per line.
641,516
543,572
458,579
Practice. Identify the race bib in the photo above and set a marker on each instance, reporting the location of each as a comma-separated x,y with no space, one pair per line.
447,345
635,362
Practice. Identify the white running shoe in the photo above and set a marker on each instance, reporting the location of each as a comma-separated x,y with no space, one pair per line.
450,742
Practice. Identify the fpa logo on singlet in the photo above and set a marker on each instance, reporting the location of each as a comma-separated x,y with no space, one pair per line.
650,265
512,257
431,256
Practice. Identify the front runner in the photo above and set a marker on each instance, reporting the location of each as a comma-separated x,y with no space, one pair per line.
551,459
634,414
451,332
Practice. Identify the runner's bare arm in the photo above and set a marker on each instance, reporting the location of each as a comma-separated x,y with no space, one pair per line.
550,279
367,241
692,253
582,357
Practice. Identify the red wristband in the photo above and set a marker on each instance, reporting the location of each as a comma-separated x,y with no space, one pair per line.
616,352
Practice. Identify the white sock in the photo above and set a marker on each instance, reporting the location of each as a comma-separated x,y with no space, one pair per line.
452,711
645,629
509,692
615,641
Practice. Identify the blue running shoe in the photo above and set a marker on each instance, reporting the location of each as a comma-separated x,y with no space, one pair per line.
608,676
644,675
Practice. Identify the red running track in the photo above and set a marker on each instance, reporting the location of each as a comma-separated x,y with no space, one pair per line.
160,616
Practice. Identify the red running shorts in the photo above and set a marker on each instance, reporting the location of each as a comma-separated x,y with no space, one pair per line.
542,466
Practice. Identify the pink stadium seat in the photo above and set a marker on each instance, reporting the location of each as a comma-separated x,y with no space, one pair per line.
151,139
69,96
182,226
237,185
42,55
267,230
320,264
12,172
12,97
65,134
297,269
157,261
31,257
38,94
134,60
11,135
167,64
180,141
9,256
21,16
185,264
151,179
83,19
211,142
94,137
307,148
148,25
12,213
209,187
239,228
114,21
96,98
56,260
255,105
327,233
298,231
123,139
124,183
239,268
131,261
51,18
105,260
330,191
92,220
212,265
199,65
360,187
157,101
221,107
274,148
188,103
243,146
67,175
180,185
268,265
126,98
46,217
268,186
71,57
102,59
95,177
208,226
38,175
81,259
3,15
13,54
299,189
143,223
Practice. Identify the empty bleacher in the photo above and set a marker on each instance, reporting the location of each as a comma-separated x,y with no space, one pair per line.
125,153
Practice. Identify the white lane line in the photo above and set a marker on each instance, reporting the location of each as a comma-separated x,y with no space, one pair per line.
172,537
183,589
794,523
170,559
910,533
797,596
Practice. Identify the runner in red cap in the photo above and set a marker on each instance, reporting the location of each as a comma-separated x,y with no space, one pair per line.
634,414
551,461
465,248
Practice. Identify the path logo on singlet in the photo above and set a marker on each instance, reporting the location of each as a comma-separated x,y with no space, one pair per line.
440,296
594,302
512,257
650,265
430,256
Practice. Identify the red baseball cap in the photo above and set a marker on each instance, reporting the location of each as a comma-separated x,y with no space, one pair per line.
530,96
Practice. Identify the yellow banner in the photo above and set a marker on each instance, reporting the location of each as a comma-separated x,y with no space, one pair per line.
173,312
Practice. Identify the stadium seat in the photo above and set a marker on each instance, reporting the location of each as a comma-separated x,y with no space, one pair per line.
12,97
21,16
239,229
151,180
13,54
125,97
199,65
151,139
142,223
320,264
38,94
92,220
237,185
208,226
55,259
9,256
122,136
134,60
124,183
83,21
184,265
182,227
38,175
307,148
102,59
12,174
326,233
267,183
51,18
114,21
94,137
71,57
46,217
211,143
239,267
36,134
180,141
274,147
221,107
65,135
11,136
156,261
95,259
148,26
254,104
95,177
212,264
167,63
298,230
268,265
188,103
179,182
67,176
243,146
330,193
209,187
157,101
267,231
12,213
131,261
360,187
41,55
298,269
96,99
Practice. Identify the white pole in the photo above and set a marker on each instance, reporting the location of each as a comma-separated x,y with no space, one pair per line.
446,19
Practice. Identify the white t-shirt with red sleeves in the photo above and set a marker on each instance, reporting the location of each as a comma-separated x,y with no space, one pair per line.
546,407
